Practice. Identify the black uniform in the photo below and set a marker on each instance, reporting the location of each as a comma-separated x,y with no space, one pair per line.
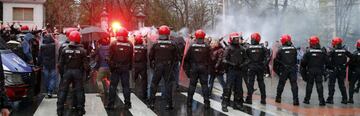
235,59
197,63
120,62
337,67
354,73
313,65
163,56
285,65
73,61
140,67
257,62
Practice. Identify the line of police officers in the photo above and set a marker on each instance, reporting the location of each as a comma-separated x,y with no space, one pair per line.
242,62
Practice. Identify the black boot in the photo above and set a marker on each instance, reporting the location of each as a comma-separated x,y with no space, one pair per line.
263,102
207,104
169,106
278,100
351,101
60,113
127,105
80,111
296,103
248,100
224,105
306,102
151,103
238,106
110,106
344,101
330,100
322,104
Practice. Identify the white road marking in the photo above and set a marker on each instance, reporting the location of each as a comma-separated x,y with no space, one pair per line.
93,106
217,106
267,109
138,107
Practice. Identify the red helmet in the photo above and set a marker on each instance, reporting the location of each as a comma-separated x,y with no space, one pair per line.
164,30
200,34
138,39
285,38
24,28
336,41
358,43
314,40
234,35
256,37
75,36
122,32
68,31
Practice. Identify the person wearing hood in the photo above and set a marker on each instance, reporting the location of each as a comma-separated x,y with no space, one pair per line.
102,66
26,44
140,65
47,61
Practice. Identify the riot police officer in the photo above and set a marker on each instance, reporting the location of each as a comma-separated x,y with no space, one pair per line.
312,69
140,64
285,65
197,64
354,71
257,61
120,62
235,59
163,56
337,67
73,61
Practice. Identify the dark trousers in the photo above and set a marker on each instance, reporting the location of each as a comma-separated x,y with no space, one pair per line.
74,77
314,78
340,75
353,79
220,78
162,71
141,73
195,75
115,77
233,81
283,77
259,75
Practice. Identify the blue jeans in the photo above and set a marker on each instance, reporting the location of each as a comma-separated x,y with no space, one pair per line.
50,79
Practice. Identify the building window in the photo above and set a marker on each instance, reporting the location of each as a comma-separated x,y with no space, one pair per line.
23,14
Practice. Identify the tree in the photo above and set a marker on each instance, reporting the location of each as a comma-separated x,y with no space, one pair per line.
343,13
60,12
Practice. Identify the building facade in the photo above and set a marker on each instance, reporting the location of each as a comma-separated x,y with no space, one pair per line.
25,12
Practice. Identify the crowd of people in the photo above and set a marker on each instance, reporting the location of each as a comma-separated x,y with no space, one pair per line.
203,60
